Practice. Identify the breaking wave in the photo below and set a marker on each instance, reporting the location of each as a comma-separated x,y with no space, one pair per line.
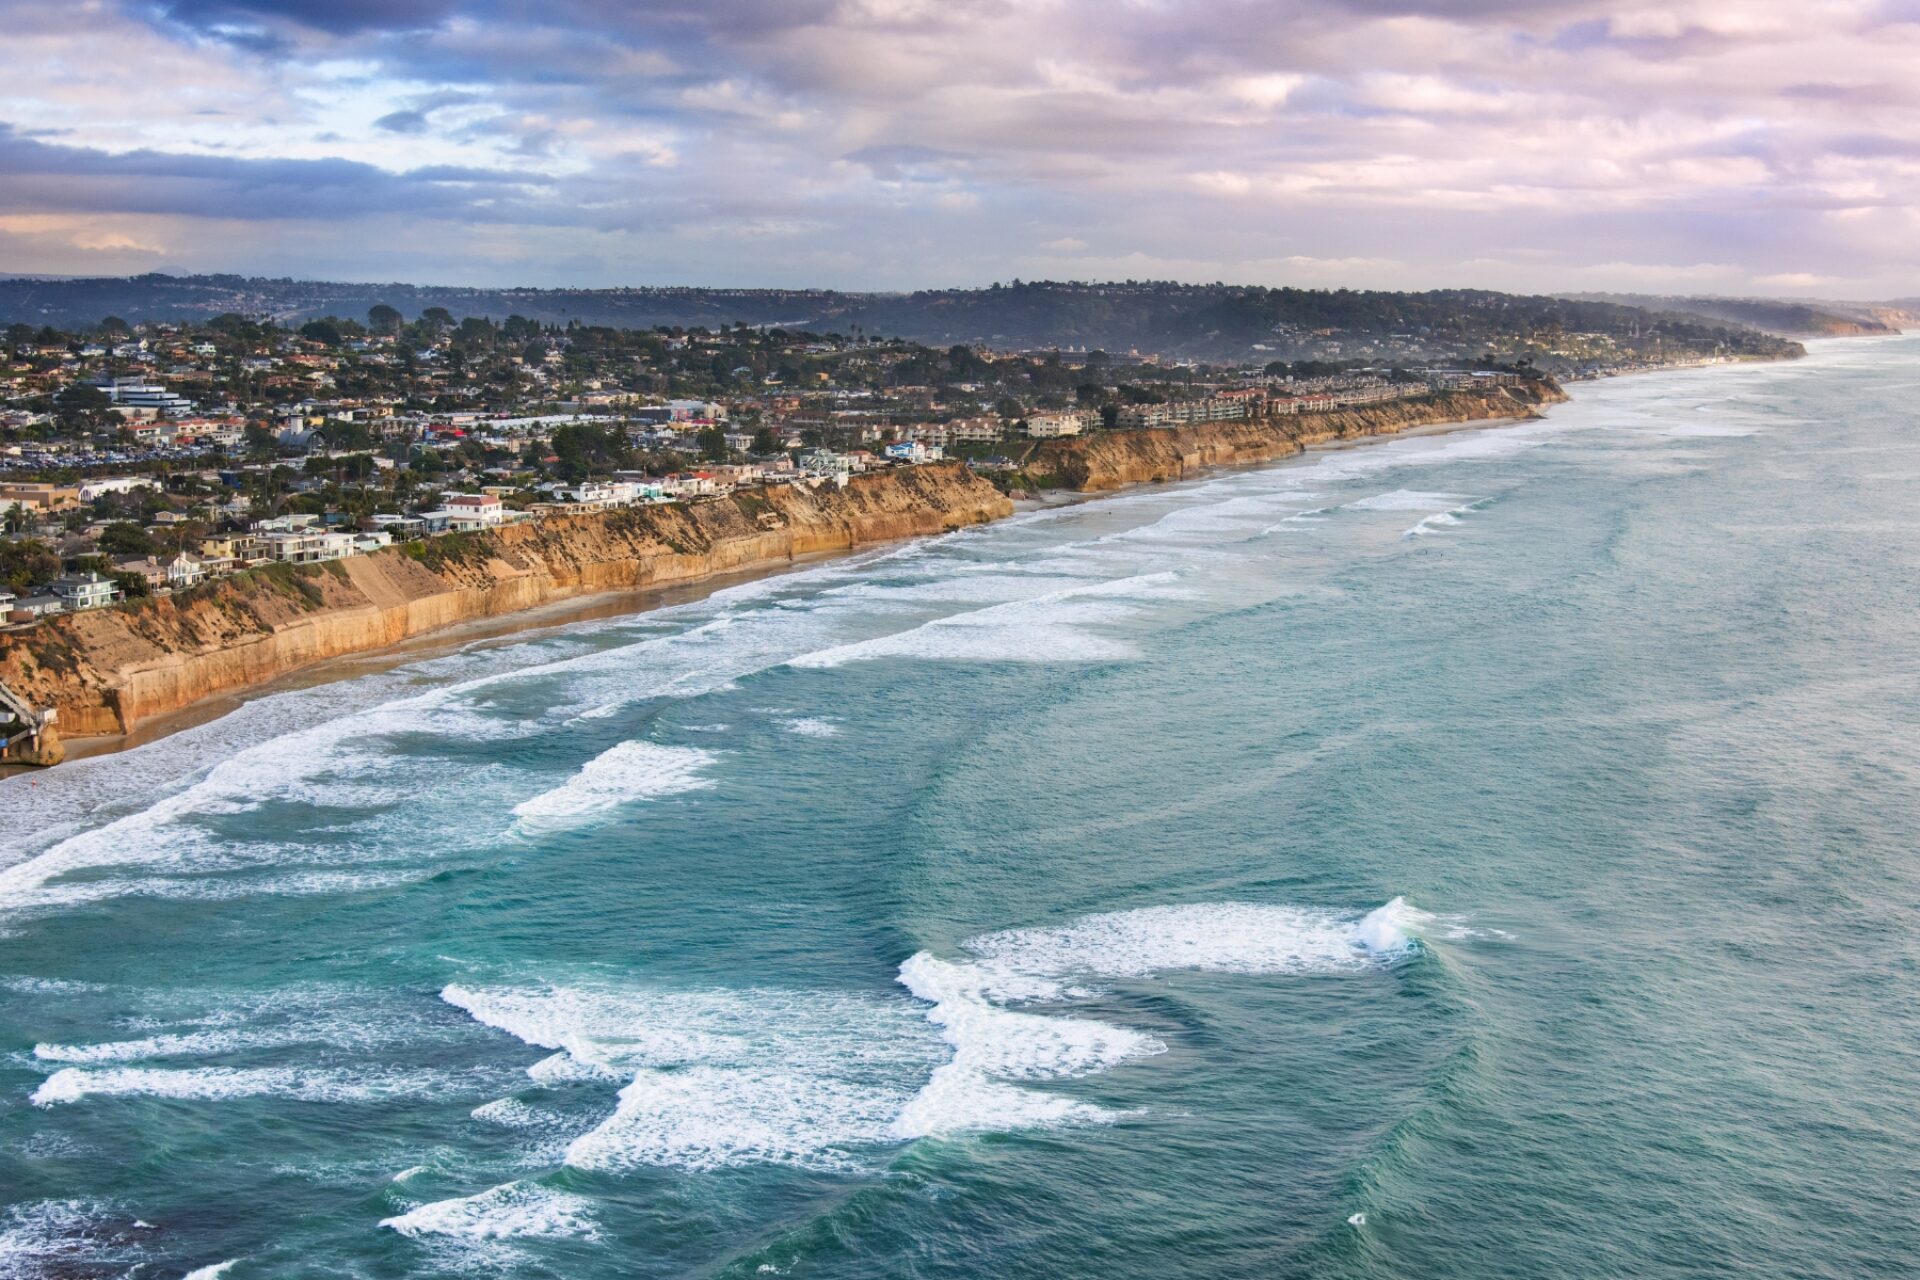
631,771
1050,627
301,1084
995,1045
711,1079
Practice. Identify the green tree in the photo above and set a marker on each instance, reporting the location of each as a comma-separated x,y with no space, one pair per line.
766,440
125,538
382,318
82,404
583,449
27,565
713,444
261,442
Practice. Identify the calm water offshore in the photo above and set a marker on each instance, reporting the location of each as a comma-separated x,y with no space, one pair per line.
1484,854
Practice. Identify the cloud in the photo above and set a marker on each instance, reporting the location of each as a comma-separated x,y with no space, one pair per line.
907,142
46,178
403,122
336,17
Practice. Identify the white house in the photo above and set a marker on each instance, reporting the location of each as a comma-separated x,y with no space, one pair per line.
308,546
466,512
85,590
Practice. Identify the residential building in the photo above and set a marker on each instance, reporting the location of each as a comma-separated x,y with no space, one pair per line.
1053,426
79,591
307,546
1181,413
396,526
235,548
38,496
34,608
467,512
981,430
103,485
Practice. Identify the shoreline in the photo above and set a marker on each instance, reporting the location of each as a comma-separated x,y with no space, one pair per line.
475,633
585,602
616,603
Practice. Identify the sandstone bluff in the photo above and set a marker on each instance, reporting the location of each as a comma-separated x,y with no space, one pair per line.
107,670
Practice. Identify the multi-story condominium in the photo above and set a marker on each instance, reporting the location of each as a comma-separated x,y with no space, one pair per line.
1181,413
1052,426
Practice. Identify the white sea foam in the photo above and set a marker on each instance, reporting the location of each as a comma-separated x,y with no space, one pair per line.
1390,930
1429,524
1705,431
718,1078
622,774
974,585
50,986
176,1045
1405,500
213,1272
512,1113
58,1237
721,1078
1050,627
599,1031
812,727
994,1045
331,764
512,1211
215,1084
1442,519
564,1068
221,888
708,1117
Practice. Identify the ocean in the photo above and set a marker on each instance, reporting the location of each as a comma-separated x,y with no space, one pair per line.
1483,853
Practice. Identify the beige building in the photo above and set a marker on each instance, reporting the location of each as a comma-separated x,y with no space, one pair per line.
1051,426
36,496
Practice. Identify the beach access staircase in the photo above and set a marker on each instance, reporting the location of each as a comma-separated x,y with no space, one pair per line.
26,735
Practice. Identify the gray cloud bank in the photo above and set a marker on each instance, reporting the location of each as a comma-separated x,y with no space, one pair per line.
1756,147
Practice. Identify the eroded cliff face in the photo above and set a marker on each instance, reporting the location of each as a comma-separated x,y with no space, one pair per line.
1112,459
108,669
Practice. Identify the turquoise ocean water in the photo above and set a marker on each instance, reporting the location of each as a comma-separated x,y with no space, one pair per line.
1481,854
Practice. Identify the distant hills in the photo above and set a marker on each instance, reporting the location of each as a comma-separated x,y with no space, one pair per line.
1787,318
1207,322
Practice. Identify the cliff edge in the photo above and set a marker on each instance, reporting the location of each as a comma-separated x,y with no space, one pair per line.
1113,459
108,669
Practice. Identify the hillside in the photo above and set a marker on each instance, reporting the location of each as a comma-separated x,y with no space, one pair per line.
1784,318
1205,322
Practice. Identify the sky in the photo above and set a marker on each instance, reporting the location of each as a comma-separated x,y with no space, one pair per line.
1708,146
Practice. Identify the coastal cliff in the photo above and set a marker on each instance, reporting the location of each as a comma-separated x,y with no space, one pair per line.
1113,459
106,670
